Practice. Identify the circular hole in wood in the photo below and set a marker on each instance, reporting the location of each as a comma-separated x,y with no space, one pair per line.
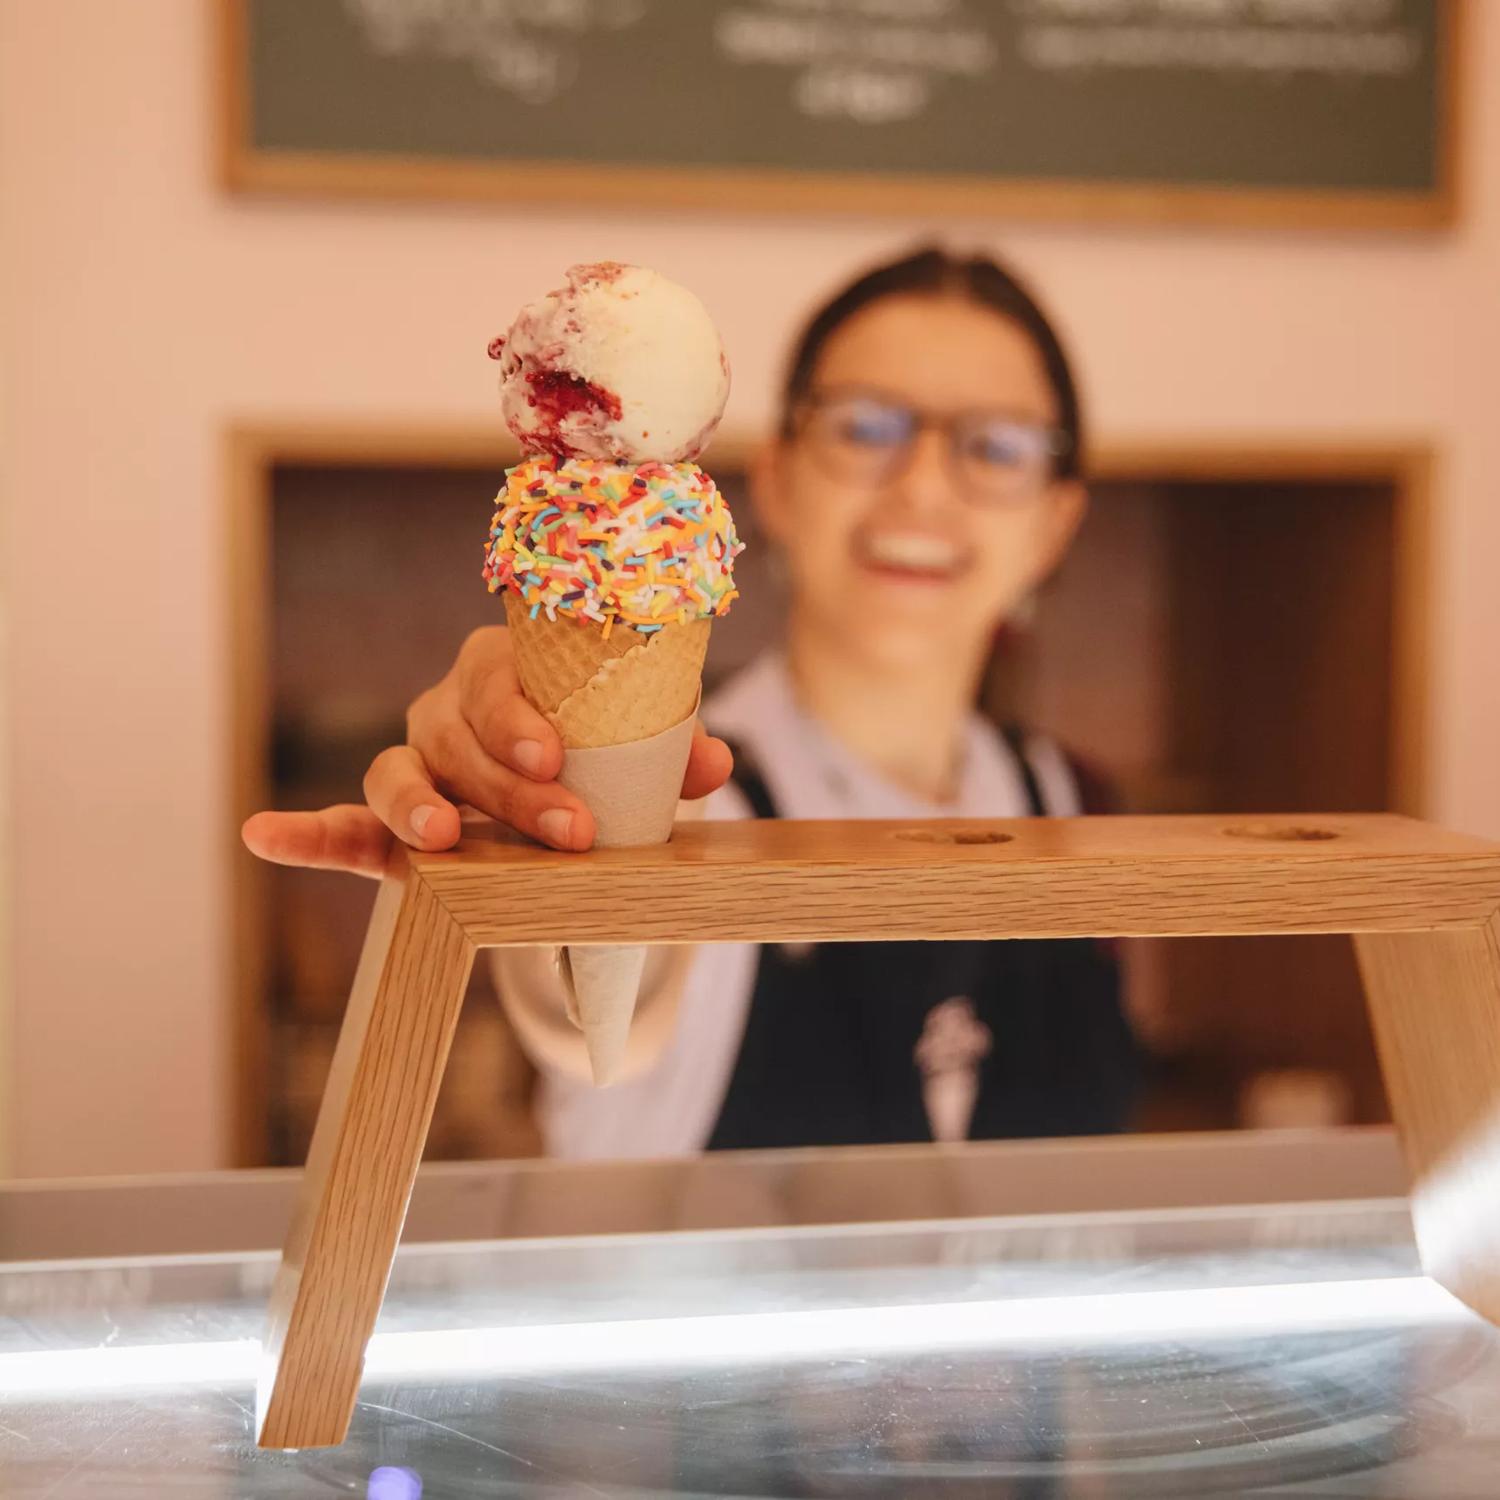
954,836
1282,833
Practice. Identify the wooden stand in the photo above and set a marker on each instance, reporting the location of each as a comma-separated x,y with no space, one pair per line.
1424,906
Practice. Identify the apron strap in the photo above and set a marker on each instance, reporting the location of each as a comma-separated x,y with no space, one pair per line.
747,776
751,783
1015,740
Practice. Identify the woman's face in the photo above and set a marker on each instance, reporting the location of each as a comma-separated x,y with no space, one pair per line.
897,544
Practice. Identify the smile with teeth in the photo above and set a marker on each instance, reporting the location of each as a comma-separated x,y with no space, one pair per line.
919,554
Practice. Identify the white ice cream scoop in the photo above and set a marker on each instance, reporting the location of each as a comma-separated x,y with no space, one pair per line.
619,364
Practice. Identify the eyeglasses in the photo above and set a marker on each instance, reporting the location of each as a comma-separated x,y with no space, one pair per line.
866,438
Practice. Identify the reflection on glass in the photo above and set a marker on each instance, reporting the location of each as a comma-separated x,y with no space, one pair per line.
1102,1357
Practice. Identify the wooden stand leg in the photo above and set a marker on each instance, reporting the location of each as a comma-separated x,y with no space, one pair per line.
371,1129
1435,1007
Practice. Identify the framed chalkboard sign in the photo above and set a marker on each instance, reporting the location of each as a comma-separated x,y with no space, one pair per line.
1298,112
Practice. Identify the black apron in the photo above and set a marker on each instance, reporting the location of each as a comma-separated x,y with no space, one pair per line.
828,1056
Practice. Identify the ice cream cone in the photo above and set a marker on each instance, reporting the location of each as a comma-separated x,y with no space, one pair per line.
624,708
613,551
603,690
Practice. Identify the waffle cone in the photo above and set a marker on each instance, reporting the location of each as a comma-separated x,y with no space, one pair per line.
600,691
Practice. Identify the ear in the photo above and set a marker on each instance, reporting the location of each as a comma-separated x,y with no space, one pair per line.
1068,505
766,475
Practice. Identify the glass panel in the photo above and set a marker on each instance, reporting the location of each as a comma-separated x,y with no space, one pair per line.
1288,1350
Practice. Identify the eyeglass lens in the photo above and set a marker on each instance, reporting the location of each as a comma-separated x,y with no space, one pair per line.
867,438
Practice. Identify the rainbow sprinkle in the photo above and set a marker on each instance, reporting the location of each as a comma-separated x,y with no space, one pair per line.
641,545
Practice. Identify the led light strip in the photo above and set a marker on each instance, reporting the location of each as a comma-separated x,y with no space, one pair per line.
773,1337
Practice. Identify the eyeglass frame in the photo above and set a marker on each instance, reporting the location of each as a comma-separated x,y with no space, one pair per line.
1058,445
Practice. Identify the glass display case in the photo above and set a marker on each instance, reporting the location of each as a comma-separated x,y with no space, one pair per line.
1245,1348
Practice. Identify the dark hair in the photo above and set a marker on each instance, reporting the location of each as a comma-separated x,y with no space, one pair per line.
936,272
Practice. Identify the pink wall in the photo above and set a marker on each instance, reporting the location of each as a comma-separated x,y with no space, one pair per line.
143,311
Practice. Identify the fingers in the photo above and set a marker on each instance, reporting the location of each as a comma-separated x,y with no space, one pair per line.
542,810
507,727
708,767
402,795
337,838
404,801
488,746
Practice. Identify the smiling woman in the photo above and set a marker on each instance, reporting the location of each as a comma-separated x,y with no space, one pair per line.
925,481
925,478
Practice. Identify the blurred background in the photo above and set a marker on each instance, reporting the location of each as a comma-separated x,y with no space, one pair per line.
250,258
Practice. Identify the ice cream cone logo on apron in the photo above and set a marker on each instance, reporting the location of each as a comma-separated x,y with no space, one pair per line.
953,1043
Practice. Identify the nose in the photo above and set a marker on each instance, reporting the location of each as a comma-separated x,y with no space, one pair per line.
925,482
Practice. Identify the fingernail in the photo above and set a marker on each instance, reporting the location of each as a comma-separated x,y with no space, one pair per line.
420,819
556,825
527,755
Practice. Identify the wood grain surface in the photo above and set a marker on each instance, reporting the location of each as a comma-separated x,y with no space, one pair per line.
369,1138
1434,1001
788,881
1425,902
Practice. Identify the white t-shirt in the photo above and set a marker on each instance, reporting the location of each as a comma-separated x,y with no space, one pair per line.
671,1108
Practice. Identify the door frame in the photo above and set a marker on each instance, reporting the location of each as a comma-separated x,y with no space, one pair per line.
253,450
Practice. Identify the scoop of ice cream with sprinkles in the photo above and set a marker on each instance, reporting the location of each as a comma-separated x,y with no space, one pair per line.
642,545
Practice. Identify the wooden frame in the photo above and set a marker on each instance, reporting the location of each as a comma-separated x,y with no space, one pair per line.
742,190
253,450
1424,906
251,453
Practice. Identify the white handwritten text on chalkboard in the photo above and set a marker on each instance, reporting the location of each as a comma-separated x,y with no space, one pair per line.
520,46
869,61
1359,38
